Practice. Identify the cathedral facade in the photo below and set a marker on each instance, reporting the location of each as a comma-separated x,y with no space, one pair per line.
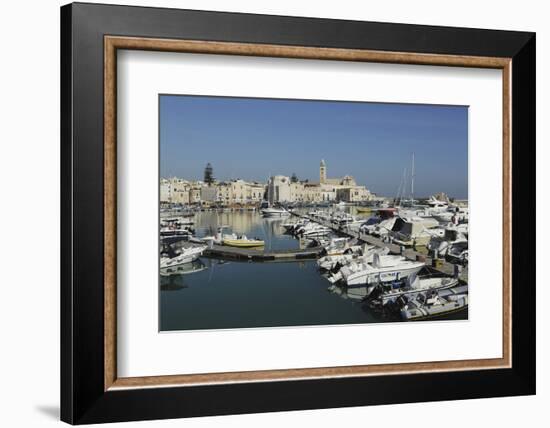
281,189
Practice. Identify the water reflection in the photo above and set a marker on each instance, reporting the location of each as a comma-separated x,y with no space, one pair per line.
248,223
184,269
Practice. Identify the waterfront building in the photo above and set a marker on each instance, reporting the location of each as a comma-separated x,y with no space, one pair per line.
255,192
174,190
238,191
281,189
165,190
209,194
195,193
353,194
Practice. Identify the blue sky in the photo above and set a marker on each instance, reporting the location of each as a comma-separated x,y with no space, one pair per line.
252,139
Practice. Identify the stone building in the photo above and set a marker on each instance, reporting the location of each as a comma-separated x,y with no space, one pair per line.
280,189
174,190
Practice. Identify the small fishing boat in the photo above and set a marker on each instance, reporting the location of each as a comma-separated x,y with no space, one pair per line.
393,293
435,303
243,242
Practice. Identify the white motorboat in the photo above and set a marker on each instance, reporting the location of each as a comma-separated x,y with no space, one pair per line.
383,268
170,257
341,219
383,228
365,254
452,235
457,253
456,215
316,231
341,245
368,225
312,229
437,204
176,227
179,220
292,226
275,212
435,303
341,204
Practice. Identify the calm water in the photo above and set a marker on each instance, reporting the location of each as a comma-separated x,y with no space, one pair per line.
212,294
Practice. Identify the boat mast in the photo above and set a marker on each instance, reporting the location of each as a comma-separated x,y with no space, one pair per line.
412,180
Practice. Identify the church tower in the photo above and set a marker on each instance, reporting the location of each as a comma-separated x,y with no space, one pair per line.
322,172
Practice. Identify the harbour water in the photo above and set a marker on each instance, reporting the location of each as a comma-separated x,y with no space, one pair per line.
215,294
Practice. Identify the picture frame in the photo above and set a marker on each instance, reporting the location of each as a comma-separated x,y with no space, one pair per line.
91,391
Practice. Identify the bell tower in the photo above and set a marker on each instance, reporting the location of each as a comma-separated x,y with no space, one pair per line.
322,171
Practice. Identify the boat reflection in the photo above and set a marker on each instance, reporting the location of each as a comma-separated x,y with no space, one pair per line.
184,269
353,293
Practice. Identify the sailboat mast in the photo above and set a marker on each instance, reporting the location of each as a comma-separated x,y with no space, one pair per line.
412,180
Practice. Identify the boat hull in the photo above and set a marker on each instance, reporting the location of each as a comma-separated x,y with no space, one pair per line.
421,313
381,275
179,260
243,244
391,297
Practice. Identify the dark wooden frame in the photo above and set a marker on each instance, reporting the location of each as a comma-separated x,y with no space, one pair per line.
90,35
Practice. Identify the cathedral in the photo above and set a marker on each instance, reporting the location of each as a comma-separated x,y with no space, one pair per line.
281,188
347,180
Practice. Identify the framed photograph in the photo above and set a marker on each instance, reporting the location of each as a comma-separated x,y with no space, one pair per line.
266,213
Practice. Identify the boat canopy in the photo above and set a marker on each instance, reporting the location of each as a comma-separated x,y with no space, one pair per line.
386,213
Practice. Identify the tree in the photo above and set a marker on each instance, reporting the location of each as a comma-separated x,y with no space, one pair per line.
208,174
293,179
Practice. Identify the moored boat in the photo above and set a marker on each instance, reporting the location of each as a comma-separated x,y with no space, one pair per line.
435,303
415,231
363,253
243,242
394,292
170,257
361,277
275,212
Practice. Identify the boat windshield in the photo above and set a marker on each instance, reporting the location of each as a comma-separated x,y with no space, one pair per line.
371,221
